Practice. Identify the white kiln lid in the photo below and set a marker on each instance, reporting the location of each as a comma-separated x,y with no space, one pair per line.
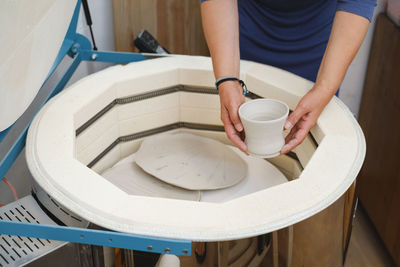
31,34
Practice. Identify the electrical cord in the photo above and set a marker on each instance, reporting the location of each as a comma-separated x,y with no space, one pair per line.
11,188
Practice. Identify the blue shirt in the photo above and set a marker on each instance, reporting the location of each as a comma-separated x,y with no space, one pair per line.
292,34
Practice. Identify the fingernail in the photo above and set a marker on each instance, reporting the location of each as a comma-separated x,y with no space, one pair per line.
239,127
288,125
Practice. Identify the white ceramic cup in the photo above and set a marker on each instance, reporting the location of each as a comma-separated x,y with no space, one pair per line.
263,121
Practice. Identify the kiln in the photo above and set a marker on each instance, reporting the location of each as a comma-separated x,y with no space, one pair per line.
102,118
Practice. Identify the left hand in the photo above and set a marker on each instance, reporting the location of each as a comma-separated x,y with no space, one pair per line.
344,42
304,117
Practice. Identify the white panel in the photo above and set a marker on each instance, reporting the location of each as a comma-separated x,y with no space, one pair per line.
130,147
149,121
305,150
200,115
256,84
108,160
94,131
203,78
288,166
201,74
147,106
93,107
195,100
99,145
147,81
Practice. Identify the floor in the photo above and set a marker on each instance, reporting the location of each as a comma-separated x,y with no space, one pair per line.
366,249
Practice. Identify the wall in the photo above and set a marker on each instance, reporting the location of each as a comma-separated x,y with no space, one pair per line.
352,86
176,24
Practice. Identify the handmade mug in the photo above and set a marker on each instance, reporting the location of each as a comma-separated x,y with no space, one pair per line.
263,121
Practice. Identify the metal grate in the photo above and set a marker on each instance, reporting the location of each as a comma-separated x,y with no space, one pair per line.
18,250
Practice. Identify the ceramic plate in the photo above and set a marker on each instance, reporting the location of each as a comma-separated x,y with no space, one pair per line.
190,161
134,181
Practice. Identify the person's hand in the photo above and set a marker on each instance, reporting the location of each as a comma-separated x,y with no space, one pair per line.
304,117
231,97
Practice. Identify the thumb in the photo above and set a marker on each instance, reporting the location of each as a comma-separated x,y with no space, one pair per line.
294,117
234,116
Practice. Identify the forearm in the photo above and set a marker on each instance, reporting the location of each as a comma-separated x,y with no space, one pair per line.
220,23
346,37
347,34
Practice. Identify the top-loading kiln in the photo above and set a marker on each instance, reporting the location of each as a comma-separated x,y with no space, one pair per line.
102,118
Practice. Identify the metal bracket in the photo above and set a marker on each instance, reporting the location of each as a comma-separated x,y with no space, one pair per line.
97,237
12,141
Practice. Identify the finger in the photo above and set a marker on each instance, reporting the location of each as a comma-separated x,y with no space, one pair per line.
294,117
291,134
225,116
234,136
295,141
234,116
298,134
231,132
288,138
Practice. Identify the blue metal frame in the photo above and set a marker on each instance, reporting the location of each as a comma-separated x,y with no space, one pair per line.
79,48
97,237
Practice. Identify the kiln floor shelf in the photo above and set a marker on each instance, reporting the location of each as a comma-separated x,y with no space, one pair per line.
129,177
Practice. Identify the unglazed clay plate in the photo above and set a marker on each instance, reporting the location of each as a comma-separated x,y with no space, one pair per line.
134,181
190,161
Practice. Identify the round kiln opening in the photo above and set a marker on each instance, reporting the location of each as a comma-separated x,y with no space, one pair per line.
114,133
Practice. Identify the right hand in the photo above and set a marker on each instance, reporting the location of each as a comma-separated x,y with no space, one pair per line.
231,97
